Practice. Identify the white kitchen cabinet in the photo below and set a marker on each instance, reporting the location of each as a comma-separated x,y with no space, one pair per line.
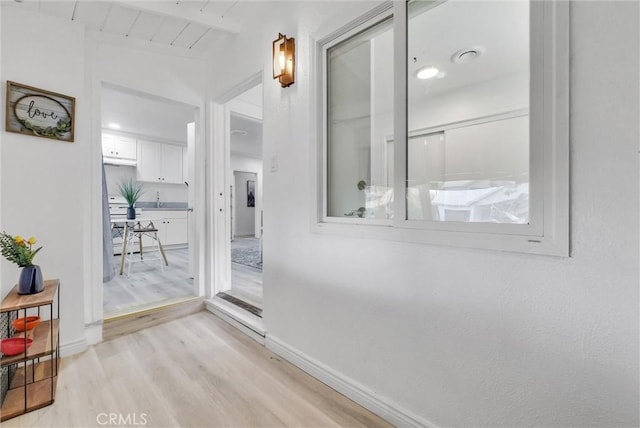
175,231
171,164
159,163
119,147
185,165
171,225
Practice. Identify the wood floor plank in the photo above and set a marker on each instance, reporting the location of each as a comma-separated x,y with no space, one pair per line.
148,283
130,323
246,281
193,371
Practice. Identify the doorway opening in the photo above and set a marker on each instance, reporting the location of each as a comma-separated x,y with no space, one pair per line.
246,201
147,141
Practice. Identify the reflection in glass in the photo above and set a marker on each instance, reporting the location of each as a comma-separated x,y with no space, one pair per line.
360,124
468,150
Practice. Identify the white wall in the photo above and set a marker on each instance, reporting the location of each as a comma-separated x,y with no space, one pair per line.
458,337
59,190
244,220
245,164
45,191
468,337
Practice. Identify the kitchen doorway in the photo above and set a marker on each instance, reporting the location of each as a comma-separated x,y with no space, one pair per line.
148,142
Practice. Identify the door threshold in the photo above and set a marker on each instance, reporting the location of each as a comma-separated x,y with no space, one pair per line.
150,307
245,321
149,317
241,303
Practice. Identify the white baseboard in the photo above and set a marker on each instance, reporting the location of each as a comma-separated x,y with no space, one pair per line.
348,387
93,333
74,347
239,318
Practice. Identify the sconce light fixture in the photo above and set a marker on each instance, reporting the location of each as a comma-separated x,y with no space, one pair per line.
284,60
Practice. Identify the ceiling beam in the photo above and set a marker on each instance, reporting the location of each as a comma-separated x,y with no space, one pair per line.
172,9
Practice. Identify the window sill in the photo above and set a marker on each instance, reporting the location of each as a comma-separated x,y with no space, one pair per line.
472,240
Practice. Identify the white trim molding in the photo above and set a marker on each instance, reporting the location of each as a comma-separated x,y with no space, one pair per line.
250,325
362,395
93,333
74,347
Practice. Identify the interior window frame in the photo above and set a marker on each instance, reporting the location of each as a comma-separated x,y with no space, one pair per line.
548,230
377,16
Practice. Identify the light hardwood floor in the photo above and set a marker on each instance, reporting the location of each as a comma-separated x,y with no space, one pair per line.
246,281
148,285
246,284
197,371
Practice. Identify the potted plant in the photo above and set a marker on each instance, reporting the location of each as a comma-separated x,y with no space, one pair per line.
131,192
21,252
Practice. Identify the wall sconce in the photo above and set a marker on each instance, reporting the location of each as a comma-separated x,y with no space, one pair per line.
284,60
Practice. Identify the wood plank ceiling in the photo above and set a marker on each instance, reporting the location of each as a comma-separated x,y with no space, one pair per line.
186,24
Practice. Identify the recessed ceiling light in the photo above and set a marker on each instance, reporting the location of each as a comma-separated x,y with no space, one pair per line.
465,56
427,72
113,125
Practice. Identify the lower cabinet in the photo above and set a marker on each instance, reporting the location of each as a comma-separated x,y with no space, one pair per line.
175,231
172,229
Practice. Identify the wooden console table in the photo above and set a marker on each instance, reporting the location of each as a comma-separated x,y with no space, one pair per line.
31,375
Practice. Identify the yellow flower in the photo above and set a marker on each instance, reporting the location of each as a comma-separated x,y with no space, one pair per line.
32,240
19,240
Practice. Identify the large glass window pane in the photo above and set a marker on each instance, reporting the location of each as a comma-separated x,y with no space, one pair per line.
468,104
360,124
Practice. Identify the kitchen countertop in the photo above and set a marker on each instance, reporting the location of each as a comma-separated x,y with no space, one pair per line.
164,206
163,209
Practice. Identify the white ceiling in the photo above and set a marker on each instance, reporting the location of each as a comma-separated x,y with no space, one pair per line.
181,24
246,136
145,115
246,132
187,27
192,25
501,28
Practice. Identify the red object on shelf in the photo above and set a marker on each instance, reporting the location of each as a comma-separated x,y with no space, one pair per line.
14,345
32,322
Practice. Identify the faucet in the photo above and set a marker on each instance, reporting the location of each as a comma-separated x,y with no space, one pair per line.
158,199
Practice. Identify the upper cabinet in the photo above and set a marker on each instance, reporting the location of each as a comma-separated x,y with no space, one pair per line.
118,149
185,165
159,163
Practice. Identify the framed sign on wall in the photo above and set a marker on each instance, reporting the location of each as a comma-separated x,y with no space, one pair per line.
40,113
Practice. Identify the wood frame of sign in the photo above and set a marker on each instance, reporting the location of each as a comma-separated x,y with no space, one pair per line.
39,113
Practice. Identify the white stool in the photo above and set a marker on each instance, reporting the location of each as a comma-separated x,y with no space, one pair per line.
136,230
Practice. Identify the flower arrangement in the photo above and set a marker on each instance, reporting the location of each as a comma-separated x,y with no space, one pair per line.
130,191
17,250
63,126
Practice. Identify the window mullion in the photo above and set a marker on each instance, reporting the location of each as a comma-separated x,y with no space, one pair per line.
400,111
